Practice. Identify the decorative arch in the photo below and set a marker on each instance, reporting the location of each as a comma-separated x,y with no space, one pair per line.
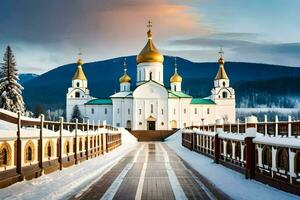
80,144
282,159
49,148
67,146
5,154
29,152
128,124
297,163
173,124
267,156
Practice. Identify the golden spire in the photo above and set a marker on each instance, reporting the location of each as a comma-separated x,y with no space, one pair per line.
79,74
125,78
221,73
176,78
149,53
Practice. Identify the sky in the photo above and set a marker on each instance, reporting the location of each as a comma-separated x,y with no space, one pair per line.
48,34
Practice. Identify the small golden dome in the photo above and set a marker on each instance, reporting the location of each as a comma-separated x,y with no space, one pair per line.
221,61
176,78
79,61
125,79
149,53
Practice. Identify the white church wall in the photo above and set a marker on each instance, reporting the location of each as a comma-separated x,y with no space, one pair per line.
202,114
99,113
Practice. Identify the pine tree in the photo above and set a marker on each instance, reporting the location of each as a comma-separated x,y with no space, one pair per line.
10,90
76,114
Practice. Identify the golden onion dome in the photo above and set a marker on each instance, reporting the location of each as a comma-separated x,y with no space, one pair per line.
221,61
149,53
176,78
125,79
79,61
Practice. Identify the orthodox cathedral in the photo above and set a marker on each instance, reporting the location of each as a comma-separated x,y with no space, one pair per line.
149,105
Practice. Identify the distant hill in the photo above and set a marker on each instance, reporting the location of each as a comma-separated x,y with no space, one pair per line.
50,88
26,77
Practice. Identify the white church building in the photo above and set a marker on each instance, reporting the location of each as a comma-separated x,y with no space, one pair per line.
148,104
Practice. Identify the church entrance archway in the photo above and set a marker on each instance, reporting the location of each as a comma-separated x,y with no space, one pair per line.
128,124
151,125
173,124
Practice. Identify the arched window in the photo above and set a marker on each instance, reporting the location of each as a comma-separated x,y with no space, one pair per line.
105,110
77,94
195,111
80,144
224,83
77,84
267,156
68,147
151,108
224,94
208,111
49,150
150,75
29,154
174,111
128,111
3,157
282,159
175,88
184,111
92,111
140,76
29,151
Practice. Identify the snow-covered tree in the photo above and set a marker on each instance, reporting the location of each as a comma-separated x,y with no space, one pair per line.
76,114
10,90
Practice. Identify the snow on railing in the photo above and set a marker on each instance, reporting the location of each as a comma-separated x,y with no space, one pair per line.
41,146
266,151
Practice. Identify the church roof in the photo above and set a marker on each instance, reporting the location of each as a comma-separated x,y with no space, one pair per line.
99,102
79,74
221,73
121,94
173,94
202,101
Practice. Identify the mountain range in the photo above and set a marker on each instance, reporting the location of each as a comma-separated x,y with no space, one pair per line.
254,83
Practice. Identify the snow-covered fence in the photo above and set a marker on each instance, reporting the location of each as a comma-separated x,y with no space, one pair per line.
266,151
30,147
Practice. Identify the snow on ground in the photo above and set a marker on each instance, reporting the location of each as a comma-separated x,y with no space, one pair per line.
69,181
230,182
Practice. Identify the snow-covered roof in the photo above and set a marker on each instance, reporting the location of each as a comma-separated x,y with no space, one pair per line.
121,95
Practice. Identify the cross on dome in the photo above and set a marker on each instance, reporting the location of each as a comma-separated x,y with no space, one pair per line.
149,26
125,65
175,64
221,52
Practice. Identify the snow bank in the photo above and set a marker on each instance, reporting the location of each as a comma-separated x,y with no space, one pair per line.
230,182
70,181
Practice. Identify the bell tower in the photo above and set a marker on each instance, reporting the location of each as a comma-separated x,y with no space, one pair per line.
222,94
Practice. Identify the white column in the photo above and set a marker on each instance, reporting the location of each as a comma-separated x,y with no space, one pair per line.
289,126
242,152
238,125
210,143
233,150
266,127
274,165
259,151
224,148
291,165
276,126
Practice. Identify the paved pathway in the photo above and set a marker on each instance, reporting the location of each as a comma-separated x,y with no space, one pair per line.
152,171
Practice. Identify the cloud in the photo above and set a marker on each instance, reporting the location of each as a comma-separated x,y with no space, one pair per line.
249,49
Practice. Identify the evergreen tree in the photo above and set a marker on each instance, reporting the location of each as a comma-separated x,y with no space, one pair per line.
76,114
38,110
10,90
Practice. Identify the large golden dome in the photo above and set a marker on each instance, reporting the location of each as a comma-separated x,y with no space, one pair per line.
149,53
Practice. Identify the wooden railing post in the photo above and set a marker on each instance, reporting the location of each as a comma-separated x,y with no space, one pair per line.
106,141
87,140
276,126
61,128
251,131
266,125
219,129
75,140
19,149
40,146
